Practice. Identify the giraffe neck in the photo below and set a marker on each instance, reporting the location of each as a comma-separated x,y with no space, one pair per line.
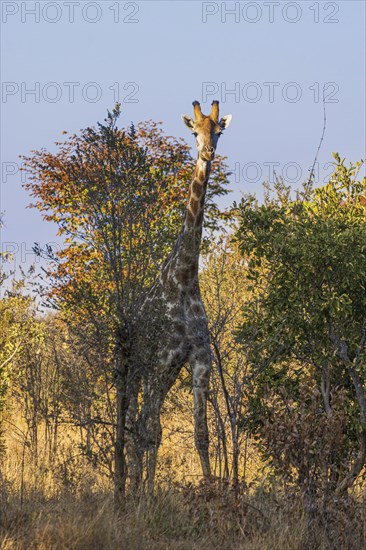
182,266
196,200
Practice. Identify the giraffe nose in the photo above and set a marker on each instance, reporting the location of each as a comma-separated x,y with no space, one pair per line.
209,149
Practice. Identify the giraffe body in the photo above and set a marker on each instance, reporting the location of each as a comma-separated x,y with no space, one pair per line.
176,327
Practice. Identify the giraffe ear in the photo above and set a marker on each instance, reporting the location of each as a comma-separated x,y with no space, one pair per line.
225,121
188,121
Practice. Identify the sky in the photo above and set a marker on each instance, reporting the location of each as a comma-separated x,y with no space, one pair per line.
64,63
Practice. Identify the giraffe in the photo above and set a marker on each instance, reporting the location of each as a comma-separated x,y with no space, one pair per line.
175,320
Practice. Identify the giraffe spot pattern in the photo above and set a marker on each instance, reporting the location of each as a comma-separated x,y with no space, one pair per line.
194,206
197,188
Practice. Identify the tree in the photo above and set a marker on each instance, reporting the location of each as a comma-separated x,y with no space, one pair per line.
224,290
18,331
117,197
305,328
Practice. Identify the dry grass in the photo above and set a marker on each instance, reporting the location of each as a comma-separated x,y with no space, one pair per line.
69,506
184,518
169,521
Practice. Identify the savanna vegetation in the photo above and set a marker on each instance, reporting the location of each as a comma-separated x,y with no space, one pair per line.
284,285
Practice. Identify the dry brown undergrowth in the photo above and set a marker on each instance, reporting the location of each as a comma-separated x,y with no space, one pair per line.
207,516
69,506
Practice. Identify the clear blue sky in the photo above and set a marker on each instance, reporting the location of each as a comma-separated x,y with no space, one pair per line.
170,53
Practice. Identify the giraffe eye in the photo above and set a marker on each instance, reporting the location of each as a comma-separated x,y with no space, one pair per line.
195,134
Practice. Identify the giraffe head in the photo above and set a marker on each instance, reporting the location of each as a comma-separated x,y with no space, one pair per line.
206,129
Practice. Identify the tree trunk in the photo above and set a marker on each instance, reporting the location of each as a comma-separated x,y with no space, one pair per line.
122,405
360,460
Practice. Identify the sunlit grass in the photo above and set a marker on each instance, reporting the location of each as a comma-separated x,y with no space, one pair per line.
69,505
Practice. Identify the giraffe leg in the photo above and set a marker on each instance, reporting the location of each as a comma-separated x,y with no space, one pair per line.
200,362
155,435
151,435
133,452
